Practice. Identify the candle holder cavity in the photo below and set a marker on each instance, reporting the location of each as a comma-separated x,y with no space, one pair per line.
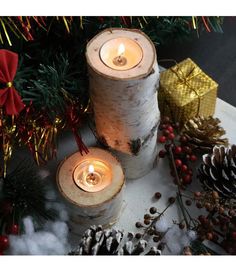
92,187
124,77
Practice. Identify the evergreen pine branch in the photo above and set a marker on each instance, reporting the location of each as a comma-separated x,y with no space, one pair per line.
48,83
26,191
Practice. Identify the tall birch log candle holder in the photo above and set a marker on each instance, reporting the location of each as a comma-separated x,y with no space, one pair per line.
124,77
92,187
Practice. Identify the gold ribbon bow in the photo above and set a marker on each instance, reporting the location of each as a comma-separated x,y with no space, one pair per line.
185,78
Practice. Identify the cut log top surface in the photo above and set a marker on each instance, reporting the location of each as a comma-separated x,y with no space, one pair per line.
143,69
77,196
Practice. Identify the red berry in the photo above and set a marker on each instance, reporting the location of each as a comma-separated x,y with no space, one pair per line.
187,150
202,219
167,147
188,157
193,158
197,194
209,236
176,125
183,139
162,139
162,153
163,126
171,136
178,150
166,132
171,129
190,171
187,179
12,229
165,119
178,163
184,168
4,243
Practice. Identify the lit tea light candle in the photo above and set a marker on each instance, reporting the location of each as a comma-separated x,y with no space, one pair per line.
92,186
121,53
92,175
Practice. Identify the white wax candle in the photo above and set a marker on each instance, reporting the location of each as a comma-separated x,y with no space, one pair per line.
121,53
92,175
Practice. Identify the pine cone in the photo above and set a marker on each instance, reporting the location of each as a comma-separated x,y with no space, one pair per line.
204,133
98,241
218,171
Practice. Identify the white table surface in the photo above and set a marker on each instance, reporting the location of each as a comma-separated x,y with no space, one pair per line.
138,194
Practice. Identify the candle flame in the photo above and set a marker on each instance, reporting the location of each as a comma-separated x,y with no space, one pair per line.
121,49
91,168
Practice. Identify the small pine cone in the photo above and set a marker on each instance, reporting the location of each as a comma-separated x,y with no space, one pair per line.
98,241
204,133
218,171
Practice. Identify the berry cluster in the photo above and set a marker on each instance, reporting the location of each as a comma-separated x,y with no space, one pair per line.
176,147
149,221
219,225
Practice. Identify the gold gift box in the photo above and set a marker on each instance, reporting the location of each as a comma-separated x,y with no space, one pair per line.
186,91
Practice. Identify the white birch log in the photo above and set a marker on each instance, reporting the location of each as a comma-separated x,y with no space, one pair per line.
125,103
91,208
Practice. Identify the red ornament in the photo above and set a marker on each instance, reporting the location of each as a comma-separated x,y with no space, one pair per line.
162,139
193,158
12,229
9,97
187,179
4,243
178,150
162,153
178,163
171,136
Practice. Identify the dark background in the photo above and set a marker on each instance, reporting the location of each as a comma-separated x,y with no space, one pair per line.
215,53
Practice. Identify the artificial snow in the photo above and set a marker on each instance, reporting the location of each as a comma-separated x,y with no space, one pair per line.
52,239
161,225
176,239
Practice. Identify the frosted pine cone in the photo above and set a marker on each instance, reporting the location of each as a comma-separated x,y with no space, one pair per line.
98,241
204,133
218,171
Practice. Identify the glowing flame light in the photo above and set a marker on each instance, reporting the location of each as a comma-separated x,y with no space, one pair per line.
121,49
91,169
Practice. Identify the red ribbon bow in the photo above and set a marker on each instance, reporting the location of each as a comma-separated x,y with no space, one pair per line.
9,97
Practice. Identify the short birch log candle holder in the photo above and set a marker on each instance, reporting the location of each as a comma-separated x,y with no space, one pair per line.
124,77
92,187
